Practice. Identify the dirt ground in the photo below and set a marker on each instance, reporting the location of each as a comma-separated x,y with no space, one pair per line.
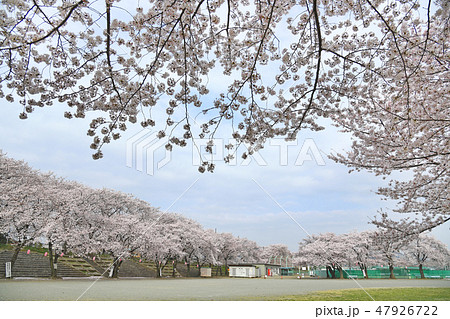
188,288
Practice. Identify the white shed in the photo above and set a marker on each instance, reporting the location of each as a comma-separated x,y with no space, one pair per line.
254,270
205,272
244,270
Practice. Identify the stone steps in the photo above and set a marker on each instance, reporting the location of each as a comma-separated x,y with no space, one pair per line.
80,265
167,271
128,268
37,265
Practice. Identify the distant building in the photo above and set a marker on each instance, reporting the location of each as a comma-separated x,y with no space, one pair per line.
254,270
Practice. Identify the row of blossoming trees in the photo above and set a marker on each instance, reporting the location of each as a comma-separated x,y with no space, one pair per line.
67,216
372,248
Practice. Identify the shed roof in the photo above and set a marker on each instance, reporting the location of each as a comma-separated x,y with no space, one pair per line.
264,264
252,265
242,265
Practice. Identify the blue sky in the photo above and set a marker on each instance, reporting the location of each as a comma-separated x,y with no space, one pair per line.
247,199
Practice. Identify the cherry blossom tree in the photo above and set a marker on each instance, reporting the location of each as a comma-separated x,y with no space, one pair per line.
62,218
389,244
86,221
274,251
362,247
328,249
227,247
160,245
170,238
427,250
22,206
402,125
39,207
181,238
121,216
196,243
208,253
247,251
311,252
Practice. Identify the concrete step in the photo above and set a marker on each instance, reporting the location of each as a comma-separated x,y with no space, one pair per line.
37,265
128,268
80,265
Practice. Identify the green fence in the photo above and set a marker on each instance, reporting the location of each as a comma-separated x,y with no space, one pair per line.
383,273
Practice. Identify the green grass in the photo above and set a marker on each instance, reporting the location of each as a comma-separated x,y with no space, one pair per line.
5,247
379,294
31,248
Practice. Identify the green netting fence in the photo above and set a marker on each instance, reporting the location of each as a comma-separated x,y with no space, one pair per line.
383,273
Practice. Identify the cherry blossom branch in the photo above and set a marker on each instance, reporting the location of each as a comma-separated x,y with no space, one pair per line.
52,31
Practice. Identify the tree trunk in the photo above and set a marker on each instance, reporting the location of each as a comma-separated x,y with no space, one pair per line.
188,267
16,254
53,270
363,268
174,264
341,273
391,271
116,265
422,275
158,269
199,265
55,259
226,268
331,272
163,266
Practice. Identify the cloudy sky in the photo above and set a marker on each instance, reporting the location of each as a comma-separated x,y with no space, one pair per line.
278,196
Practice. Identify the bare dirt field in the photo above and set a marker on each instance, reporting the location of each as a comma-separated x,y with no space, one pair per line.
188,288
